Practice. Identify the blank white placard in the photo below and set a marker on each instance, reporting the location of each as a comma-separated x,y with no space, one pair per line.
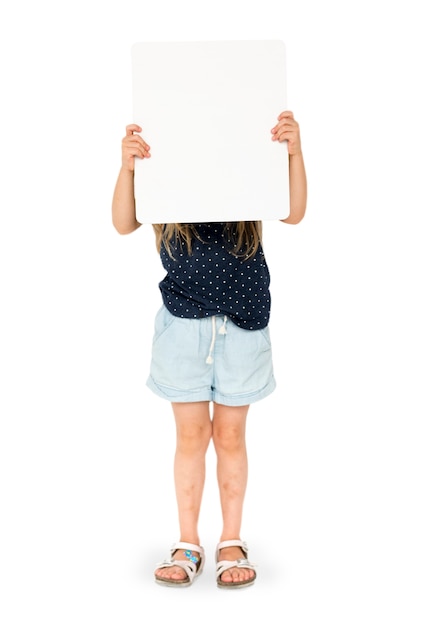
206,109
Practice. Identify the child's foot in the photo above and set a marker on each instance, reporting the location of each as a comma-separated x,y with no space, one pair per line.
175,572
234,574
185,563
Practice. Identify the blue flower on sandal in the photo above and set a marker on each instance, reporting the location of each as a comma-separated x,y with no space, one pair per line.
191,556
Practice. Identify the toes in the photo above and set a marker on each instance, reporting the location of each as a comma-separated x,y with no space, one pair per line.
174,573
236,575
178,574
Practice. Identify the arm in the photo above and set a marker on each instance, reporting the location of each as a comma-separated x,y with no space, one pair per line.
123,202
287,129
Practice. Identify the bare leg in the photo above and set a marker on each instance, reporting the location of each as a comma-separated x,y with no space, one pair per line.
229,427
193,434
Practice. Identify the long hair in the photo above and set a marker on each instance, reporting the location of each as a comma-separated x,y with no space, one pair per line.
243,238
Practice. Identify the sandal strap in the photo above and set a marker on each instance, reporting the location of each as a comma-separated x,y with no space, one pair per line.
184,545
232,543
188,567
222,566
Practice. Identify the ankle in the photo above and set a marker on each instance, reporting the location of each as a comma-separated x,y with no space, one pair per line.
229,537
195,541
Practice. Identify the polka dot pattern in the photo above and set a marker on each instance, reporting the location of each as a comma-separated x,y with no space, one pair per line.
212,281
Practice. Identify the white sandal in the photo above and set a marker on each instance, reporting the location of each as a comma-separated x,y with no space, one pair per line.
192,566
222,566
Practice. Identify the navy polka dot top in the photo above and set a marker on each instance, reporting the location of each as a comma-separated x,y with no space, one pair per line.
212,281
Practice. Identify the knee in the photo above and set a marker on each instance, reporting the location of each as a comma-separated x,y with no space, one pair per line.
228,438
194,438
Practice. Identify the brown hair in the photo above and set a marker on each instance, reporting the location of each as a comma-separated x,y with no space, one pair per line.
244,238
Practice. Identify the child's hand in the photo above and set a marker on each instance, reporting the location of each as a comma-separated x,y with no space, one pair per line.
133,146
287,129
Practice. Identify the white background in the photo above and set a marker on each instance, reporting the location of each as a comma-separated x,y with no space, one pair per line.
335,510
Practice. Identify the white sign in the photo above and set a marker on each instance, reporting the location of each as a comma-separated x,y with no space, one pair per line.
206,110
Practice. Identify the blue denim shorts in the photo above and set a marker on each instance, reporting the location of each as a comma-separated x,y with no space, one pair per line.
209,359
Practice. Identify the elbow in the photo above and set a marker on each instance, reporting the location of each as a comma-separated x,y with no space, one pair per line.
292,220
295,217
125,229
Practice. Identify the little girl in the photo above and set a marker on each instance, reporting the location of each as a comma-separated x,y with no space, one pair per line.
211,350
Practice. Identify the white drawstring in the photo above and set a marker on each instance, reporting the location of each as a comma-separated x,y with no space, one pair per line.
209,359
222,331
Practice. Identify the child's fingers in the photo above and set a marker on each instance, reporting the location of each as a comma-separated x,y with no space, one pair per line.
135,143
286,114
133,128
286,123
136,150
136,140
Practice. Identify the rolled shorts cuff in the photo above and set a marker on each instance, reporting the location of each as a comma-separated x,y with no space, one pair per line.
209,395
244,398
